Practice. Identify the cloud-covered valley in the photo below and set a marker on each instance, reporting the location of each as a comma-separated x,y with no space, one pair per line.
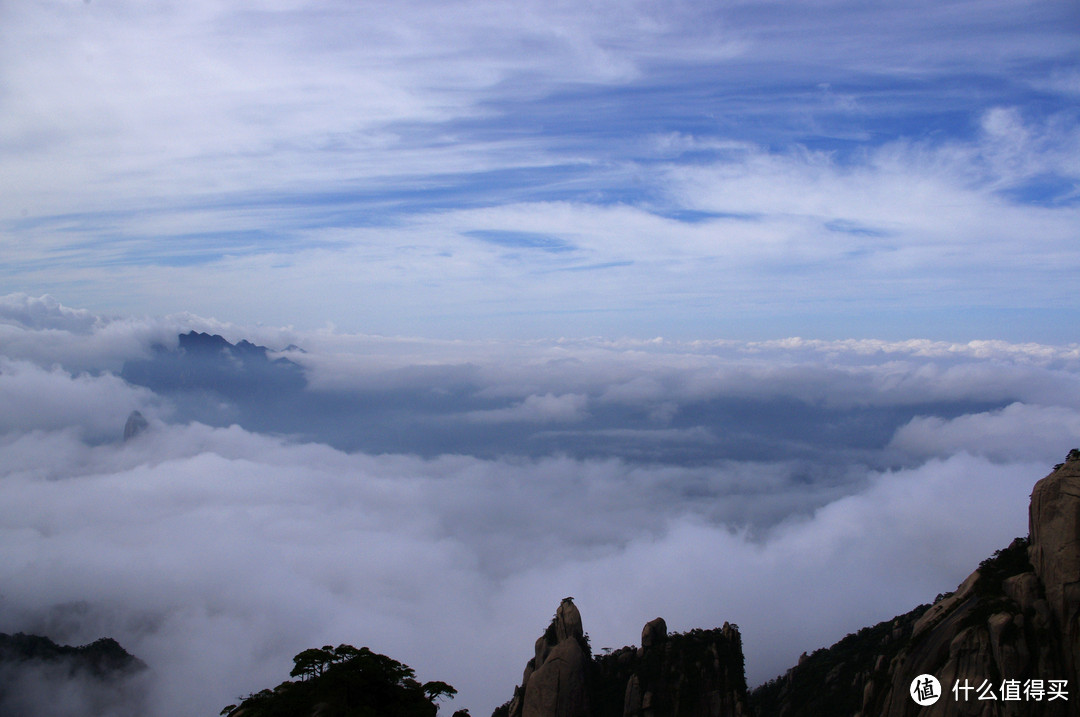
799,489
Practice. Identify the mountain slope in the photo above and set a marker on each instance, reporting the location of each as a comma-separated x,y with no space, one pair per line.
1006,642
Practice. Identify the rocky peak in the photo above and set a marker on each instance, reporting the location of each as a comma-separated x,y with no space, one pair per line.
696,674
136,424
653,634
554,681
568,621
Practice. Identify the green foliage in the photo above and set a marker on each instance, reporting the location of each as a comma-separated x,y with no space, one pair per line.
346,682
989,586
1074,455
311,663
1003,564
821,684
435,689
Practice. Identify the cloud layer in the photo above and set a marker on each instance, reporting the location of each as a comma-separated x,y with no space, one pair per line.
216,552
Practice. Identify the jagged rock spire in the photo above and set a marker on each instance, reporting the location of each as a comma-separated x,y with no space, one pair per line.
555,686
697,675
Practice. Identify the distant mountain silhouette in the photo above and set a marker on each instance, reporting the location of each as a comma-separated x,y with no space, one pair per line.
210,380
102,658
205,362
39,677
216,382
136,424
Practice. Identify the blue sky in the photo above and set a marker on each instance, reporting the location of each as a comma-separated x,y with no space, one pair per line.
744,170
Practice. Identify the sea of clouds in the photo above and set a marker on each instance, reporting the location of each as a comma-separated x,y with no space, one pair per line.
434,500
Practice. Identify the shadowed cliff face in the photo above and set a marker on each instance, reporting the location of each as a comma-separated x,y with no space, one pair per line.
1054,523
695,674
1013,622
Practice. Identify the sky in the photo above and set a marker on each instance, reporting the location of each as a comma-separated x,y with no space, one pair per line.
481,170
746,312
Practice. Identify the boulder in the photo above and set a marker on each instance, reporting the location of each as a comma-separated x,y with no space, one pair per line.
654,633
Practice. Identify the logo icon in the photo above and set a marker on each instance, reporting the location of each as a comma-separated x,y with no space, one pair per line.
925,690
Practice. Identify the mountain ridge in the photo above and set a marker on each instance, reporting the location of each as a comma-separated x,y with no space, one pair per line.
1006,642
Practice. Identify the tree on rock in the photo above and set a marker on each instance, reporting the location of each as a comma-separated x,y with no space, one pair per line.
311,663
346,682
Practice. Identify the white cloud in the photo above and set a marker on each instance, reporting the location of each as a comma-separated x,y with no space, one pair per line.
45,312
215,555
1018,430
548,408
33,398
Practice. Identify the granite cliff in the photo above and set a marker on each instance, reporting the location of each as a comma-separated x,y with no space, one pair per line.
1005,642
694,674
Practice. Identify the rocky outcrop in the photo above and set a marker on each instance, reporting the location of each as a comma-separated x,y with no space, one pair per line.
554,681
1011,625
994,630
1054,525
695,674
136,424
556,687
